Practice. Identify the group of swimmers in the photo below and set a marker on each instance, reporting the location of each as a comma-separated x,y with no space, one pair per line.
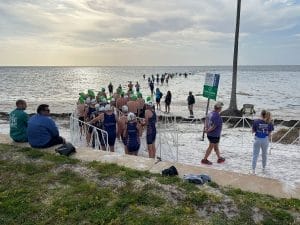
121,115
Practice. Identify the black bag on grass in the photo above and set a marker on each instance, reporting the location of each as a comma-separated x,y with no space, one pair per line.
66,149
172,171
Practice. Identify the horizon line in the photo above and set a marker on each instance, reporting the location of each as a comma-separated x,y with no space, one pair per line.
144,65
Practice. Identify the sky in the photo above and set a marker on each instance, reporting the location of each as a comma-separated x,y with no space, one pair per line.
147,32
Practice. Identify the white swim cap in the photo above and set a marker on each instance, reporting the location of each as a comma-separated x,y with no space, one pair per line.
124,108
131,116
108,107
97,106
88,100
101,109
149,104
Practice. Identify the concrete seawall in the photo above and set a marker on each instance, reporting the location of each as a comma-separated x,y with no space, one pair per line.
245,182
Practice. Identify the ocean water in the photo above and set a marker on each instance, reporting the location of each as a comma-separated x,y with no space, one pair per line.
275,88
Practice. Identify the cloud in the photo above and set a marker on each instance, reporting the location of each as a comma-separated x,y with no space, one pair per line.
145,25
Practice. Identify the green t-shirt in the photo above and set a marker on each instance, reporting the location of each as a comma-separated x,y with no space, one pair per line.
18,125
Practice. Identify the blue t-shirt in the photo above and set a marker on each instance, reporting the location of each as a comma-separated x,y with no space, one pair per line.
41,129
214,120
262,128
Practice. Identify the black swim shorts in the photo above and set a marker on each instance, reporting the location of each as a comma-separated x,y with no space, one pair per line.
213,140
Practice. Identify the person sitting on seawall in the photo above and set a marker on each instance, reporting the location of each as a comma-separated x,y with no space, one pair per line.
18,120
42,130
262,128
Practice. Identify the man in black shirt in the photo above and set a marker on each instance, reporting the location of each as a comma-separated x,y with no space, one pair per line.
191,102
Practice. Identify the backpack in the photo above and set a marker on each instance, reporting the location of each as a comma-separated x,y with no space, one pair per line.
66,149
171,171
160,95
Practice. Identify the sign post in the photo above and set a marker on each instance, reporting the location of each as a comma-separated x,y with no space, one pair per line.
210,90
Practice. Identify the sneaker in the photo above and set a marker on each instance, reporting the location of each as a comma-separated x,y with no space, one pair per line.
205,161
221,160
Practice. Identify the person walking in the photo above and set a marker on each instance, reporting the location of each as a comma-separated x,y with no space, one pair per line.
110,89
158,96
121,125
262,128
132,133
150,122
213,128
168,99
191,102
18,122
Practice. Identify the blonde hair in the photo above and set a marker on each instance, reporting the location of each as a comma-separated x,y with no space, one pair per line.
266,115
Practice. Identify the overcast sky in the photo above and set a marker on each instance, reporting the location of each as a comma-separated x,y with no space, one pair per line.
148,32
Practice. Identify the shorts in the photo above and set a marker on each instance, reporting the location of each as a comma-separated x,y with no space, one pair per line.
151,138
81,120
213,140
158,100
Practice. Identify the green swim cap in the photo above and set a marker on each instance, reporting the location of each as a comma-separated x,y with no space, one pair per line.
133,97
81,100
148,99
91,93
139,94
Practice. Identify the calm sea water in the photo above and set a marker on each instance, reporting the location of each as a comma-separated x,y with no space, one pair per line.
272,87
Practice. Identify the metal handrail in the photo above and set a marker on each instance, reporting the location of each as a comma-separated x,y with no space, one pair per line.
95,134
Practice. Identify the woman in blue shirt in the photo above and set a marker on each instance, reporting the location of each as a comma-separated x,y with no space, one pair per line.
262,128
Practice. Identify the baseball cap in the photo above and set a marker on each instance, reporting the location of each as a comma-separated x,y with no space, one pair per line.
219,105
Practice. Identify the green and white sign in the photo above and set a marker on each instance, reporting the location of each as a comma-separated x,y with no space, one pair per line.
211,84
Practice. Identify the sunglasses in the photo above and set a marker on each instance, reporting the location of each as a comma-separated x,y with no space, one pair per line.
46,110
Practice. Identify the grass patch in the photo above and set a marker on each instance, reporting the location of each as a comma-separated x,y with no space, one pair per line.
50,189
39,154
109,170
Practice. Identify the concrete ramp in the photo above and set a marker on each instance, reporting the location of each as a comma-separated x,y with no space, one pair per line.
245,182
